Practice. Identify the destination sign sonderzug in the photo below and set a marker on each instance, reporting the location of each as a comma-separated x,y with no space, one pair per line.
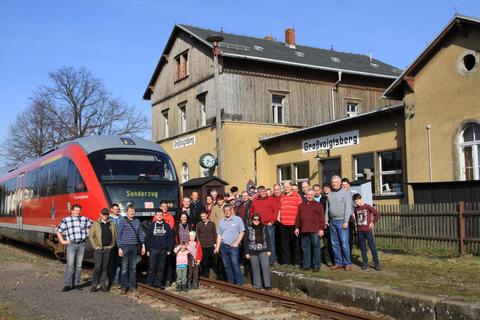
338,140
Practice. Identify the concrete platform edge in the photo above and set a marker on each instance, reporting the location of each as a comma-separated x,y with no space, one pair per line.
393,302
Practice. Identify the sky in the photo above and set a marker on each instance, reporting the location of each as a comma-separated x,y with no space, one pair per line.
120,41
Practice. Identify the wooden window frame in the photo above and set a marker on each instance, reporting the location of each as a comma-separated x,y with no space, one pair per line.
181,66
166,129
381,173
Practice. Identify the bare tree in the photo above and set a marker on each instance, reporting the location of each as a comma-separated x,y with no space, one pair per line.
74,105
29,136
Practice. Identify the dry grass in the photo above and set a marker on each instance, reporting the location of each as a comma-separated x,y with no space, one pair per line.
453,277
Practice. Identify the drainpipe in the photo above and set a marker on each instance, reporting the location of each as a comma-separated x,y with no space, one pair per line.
255,163
429,127
333,90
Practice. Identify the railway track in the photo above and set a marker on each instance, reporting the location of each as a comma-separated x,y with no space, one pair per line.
221,300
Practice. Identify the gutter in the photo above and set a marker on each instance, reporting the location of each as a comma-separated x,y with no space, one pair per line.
310,66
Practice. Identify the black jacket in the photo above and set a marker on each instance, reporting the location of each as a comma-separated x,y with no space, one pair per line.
196,208
159,236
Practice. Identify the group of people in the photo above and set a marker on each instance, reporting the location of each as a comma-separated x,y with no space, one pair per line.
240,228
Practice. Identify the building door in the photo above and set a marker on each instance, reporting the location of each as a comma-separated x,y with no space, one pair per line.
20,192
328,168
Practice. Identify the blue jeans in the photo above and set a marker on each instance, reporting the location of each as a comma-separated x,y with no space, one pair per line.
271,234
310,243
129,267
74,264
363,237
340,243
231,263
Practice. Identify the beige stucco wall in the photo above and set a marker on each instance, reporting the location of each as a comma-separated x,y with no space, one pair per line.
445,99
239,141
376,135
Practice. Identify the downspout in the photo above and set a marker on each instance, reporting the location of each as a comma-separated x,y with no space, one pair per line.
429,128
255,163
333,90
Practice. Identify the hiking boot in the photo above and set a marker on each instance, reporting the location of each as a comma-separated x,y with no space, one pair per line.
185,288
268,288
179,288
66,288
316,269
348,268
93,289
335,267
123,291
377,268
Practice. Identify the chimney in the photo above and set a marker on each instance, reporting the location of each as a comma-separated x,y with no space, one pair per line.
290,38
270,38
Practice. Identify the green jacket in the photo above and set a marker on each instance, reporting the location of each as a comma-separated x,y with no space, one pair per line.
95,235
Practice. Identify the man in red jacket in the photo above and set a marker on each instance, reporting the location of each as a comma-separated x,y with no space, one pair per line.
287,214
309,226
268,209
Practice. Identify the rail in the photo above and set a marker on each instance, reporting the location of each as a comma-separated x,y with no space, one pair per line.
298,304
184,302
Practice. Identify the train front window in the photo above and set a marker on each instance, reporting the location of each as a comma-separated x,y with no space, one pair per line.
132,166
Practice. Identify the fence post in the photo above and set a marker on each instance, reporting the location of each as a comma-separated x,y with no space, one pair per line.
461,228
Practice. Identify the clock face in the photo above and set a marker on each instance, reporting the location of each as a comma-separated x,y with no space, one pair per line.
208,160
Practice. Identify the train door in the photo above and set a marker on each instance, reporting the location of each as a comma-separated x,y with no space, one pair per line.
20,193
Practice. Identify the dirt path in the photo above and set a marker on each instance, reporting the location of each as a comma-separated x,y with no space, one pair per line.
30,288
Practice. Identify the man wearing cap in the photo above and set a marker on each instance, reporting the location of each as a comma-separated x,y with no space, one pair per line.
102,238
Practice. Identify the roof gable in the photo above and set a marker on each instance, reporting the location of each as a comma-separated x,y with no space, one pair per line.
457,24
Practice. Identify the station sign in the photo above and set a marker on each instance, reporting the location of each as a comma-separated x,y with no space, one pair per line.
184,142
338,140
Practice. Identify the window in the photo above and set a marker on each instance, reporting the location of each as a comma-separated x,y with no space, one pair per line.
352,109
469,153
302,172
203,109
8,205
277,108
363,164
468,62
132,165
204,172
183,118
391,172
185,172
182,65
165,123
285,173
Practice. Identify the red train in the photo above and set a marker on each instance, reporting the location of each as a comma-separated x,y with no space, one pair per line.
94,172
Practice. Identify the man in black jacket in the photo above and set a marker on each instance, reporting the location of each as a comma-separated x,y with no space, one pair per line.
196,208
159,243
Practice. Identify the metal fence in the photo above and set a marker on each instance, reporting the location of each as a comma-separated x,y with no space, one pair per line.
447,227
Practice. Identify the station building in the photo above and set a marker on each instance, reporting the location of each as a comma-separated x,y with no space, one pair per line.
417,131
267,87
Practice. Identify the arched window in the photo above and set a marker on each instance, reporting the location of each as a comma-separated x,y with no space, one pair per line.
469,152
185,172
